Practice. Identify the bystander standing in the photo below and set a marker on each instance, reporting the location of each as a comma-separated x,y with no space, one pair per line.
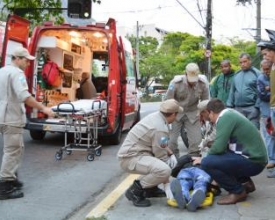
243,95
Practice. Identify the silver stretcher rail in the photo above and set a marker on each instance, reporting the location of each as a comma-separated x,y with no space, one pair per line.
84,126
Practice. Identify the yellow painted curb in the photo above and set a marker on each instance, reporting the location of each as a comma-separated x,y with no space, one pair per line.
108,201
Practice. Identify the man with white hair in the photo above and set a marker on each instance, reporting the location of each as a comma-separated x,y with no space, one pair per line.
188,89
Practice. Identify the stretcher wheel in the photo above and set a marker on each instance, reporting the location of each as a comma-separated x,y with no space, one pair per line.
58,155
90,157
98,152
68,152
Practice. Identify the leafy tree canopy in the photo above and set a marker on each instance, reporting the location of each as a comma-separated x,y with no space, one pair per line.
36,16
28,10
178,49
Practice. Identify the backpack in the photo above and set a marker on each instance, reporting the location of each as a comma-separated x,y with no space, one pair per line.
51,74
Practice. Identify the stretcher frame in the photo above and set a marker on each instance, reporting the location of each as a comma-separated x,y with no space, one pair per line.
83,123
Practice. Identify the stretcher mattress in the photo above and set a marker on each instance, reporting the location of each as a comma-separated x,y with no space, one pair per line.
82,105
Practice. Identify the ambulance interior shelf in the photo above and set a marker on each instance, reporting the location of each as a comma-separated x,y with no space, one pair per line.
69,77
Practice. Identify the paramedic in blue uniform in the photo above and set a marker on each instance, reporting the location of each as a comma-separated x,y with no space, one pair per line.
14,95
188,90
143,152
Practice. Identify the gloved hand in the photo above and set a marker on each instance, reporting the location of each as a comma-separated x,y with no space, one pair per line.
201,146
172,161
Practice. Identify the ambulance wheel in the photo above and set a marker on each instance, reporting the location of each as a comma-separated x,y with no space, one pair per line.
116,137
37,135
90,157
68,152
58,155
98,152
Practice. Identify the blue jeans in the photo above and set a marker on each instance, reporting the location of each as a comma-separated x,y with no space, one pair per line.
193,178
230,170
269,141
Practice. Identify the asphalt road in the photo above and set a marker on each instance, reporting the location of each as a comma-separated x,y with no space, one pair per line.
65,189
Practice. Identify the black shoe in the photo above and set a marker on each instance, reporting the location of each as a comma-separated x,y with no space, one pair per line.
154,192
12,193
17,184
136,194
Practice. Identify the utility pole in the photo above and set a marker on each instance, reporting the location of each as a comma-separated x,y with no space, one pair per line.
258,28
208,30
258,22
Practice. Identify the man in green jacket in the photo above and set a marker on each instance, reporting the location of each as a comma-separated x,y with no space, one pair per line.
243,95
237,153
221,85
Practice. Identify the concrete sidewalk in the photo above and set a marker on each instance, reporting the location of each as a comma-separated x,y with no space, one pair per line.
258,206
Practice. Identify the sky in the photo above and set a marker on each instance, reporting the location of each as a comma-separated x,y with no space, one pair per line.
229,19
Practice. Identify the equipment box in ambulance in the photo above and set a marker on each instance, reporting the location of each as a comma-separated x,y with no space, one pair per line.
95,49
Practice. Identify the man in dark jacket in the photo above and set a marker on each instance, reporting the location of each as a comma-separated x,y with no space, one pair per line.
243,95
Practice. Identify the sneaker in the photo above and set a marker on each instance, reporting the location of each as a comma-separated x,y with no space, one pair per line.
271,174
177,193
11,194
196,200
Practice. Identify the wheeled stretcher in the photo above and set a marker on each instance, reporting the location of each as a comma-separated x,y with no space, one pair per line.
82,119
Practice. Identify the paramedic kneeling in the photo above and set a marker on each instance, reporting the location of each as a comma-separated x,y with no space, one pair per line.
237,153
145,152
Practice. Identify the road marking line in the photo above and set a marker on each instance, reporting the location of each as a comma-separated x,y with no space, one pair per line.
108,201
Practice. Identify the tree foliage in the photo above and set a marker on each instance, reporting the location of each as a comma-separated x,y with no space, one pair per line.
36,11
28,10
178,49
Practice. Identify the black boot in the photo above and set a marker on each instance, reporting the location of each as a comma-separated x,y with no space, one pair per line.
8,191
136,194
154,192
17,184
